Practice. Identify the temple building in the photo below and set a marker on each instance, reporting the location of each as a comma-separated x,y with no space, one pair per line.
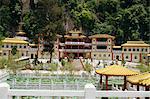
100,46
135,51
76,45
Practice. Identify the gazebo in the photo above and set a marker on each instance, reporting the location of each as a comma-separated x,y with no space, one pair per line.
115,70
142,79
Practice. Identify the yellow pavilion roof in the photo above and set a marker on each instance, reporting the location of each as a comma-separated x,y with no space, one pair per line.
135,43
143,79
102,36
116,70
148,54
14,40
145,82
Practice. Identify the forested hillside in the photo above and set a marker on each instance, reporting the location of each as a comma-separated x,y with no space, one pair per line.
125,19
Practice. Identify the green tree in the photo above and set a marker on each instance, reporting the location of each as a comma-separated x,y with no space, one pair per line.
88,67
10,12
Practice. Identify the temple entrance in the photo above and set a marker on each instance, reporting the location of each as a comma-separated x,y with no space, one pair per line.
117,57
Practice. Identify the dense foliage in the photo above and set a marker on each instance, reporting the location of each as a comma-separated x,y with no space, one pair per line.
125,19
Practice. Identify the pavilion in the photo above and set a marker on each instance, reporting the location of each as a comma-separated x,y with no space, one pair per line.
115,70
142,79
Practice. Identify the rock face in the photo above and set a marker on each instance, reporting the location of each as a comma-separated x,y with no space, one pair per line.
26,6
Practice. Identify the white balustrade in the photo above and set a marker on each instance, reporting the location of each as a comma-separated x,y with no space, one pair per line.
101,50
89,92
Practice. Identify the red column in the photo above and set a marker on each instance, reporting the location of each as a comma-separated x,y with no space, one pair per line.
122,56
112,56
140,57
106,82
131,57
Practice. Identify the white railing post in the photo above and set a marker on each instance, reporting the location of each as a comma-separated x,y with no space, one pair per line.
4,88
90,91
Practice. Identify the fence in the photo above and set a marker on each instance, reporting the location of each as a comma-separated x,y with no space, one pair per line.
89,92
4,76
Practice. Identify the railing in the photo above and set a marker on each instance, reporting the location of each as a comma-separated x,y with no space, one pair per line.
61,44
100,42
89,92
116,51
4,77
77,50
101,50
33,49
75,43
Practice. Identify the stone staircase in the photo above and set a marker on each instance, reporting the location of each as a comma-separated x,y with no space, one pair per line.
77,64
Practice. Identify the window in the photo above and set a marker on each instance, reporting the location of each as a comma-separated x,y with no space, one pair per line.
142,49
135,57
24,46
22,54
137,49
109,55
4,53
144,57
104,55
2,46
94,55
20,46
125,49
101,47
146,50
134,49
127,57
129,49
11,46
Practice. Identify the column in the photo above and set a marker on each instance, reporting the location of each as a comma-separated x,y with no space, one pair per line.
122,56
101,80
125,82
131,57
106,83
90,91
112,56
4,90
140,55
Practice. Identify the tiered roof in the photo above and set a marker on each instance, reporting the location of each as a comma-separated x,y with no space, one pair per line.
135,43
142,79
14,40
116,70
102,36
